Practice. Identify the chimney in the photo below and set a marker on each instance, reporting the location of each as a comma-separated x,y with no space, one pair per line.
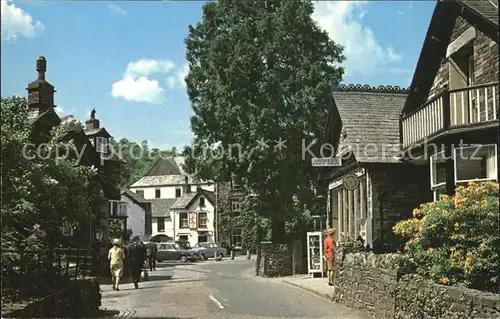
186,188
40,92
92,123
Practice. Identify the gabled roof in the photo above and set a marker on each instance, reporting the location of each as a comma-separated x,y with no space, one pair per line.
138,199
161,207
164,166
49,115
101,131
370,119
187,199
482,14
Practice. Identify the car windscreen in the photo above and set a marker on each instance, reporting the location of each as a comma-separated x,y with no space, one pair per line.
176,246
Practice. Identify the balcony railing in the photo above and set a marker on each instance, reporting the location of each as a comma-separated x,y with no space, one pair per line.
453,108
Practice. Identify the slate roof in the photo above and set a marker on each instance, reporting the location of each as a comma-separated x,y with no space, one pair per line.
187,199
136,197
486,8
161,207
370,119
164,166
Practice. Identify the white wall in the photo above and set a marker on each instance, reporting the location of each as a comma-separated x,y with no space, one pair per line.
169,191
194,233
136,217
169,227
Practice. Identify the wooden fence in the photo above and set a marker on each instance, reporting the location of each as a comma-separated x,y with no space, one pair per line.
31,273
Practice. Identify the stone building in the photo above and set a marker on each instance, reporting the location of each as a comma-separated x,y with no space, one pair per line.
449,123
372,188
93,233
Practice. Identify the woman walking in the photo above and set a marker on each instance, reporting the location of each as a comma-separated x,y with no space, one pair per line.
116,256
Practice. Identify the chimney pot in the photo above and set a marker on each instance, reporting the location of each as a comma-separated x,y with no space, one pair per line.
41,67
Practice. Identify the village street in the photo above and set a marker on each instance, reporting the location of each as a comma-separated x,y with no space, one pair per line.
226,289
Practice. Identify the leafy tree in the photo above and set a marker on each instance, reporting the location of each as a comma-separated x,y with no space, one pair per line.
139,158
455,240
260,71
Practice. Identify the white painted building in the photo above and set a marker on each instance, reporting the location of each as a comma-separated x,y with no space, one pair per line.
166,184
138,212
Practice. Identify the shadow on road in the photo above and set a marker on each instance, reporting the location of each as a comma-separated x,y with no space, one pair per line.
159,277
174,264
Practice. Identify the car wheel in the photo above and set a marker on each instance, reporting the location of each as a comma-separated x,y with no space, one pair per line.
202,257
183,258
219,256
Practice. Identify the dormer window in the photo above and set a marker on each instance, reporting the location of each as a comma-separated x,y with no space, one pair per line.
101,144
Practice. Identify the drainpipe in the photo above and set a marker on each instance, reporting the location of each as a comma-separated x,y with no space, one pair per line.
216,211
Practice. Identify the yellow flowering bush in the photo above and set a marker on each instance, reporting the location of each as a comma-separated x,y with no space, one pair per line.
456,240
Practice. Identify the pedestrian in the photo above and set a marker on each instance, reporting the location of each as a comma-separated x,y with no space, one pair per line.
329,247
136,257
116,256
152,250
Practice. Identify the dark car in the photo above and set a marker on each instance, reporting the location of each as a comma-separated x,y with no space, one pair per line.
172,251
183,244
160,238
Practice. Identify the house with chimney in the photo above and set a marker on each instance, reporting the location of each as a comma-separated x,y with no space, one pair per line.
449,123
138,212
41,114
167,183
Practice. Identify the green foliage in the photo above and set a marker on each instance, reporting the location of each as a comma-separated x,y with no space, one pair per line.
260,71
38,187
139,158
456,240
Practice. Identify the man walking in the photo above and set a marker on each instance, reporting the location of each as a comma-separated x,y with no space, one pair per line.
136,255
152,250
116,257
329,246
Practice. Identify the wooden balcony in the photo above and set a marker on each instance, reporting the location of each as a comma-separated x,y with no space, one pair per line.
451,109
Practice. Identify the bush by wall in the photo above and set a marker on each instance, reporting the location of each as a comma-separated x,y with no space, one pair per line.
456,240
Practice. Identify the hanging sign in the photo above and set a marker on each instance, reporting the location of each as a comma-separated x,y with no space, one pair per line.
192,220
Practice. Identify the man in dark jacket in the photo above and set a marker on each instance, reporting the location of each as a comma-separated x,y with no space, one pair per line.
136,257
152,249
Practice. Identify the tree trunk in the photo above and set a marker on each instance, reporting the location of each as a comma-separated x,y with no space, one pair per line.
277,230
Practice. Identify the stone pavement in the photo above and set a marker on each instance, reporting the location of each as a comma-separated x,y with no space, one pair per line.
318,286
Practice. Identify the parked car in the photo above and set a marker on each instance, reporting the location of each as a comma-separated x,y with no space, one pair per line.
160,238
184,244
209,250
172,251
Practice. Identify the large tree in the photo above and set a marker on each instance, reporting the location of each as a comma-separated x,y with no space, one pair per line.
260,71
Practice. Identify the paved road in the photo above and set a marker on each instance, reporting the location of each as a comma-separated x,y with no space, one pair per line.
221,290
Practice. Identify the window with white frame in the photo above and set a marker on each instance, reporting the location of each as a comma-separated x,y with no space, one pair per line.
475,162
202,219
117,208
183,220
237,237
101,144
438,169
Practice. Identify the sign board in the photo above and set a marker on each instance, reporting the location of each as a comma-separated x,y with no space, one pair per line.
325,161
193,220
350,181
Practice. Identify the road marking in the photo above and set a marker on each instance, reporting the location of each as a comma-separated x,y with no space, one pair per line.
216,302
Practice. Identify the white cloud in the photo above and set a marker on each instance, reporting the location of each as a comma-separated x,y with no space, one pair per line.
136,85
113,7
342,21
178,79
17,23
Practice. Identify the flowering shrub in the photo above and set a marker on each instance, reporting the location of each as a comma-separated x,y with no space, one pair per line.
456,240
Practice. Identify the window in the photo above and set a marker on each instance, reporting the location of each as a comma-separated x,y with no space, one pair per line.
157,193
101,144
438,169
178,192
117,208
183,238
202,201
160,224
67,229
202,220
236,186
237,236
140,193
202,239
475,162
183,220
235,205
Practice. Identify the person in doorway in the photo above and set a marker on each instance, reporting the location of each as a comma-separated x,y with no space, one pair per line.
329,246
136,256
152,250
116,256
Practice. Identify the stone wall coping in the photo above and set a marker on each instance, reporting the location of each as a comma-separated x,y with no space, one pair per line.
384,262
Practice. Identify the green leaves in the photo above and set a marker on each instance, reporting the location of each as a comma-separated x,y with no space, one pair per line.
261,70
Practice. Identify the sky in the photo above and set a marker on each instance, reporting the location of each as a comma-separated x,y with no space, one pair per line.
127,59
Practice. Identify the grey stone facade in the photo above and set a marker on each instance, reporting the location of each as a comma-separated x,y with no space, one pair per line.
274,260
379,286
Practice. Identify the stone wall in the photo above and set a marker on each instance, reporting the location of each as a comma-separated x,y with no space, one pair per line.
274,260
81,298
485,59
396,190
381,286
